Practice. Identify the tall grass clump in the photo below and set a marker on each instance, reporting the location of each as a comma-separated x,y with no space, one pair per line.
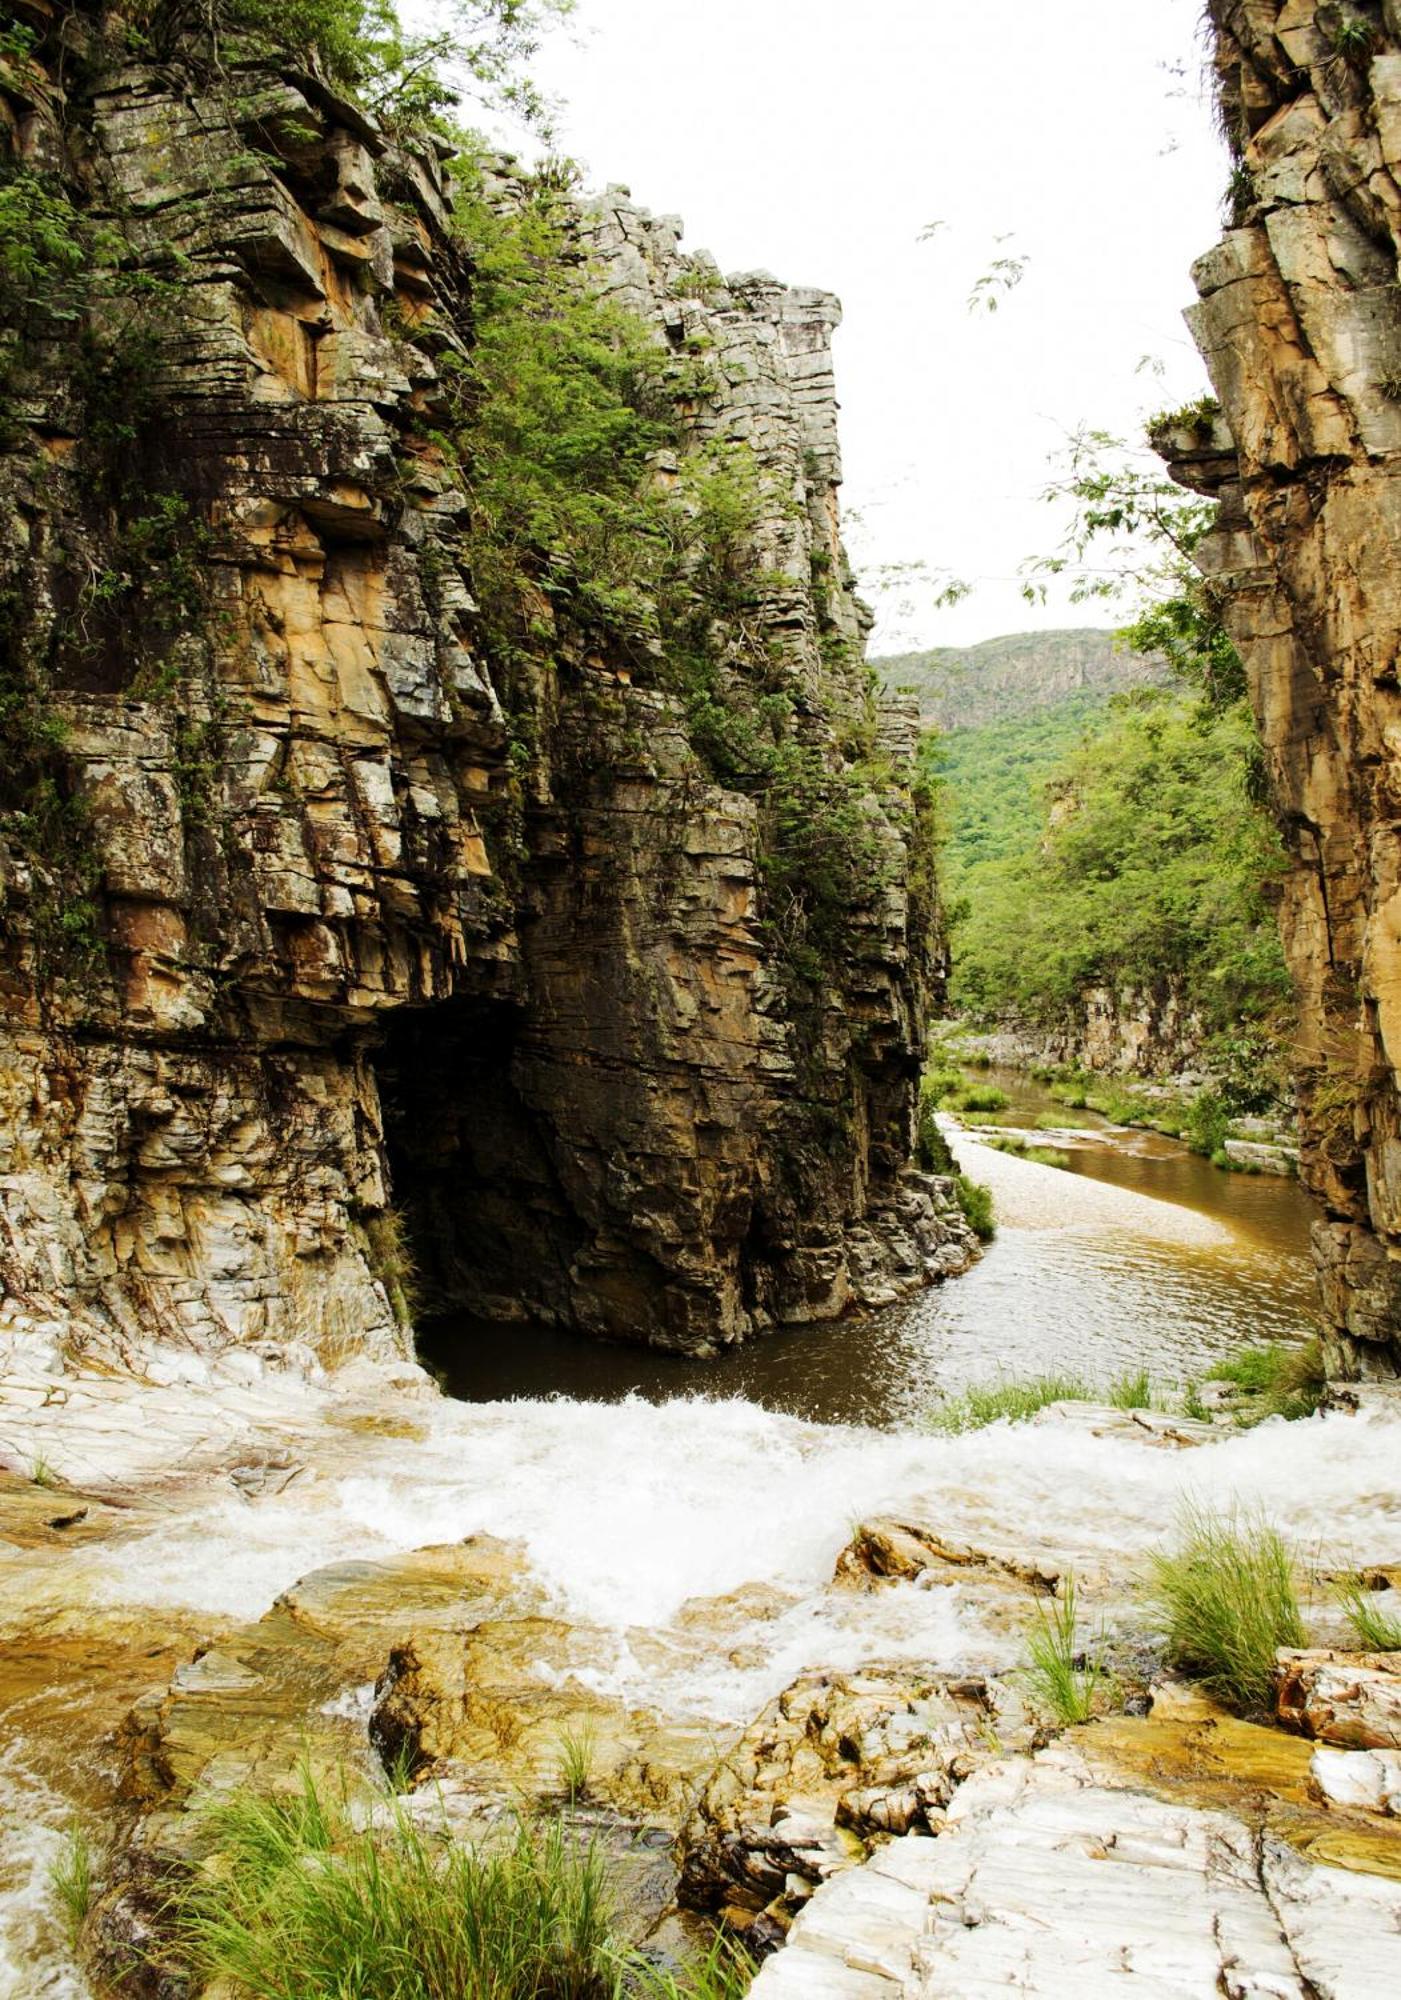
72,1878
304,1906
1016,1402
1377,1631
1067,1680
576,1761
1226,1602
1132,1391
979,1097
1275,1379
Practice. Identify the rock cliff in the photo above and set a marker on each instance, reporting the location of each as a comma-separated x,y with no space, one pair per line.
334,937
1300,325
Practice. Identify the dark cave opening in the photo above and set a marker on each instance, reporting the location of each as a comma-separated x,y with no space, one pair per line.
490,1232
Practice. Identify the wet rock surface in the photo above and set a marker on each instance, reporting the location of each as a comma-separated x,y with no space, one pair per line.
1045,1879
837,1761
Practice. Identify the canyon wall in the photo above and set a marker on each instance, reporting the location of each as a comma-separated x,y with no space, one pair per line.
1300,324
330,943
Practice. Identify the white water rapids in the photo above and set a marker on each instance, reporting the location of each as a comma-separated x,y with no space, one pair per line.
627,1510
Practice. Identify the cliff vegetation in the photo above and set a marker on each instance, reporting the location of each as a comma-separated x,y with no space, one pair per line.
453,848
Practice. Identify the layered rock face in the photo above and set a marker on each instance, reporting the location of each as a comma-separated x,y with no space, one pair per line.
1300,325
310,923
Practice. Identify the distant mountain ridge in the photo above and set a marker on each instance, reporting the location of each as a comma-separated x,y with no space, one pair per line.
1000,680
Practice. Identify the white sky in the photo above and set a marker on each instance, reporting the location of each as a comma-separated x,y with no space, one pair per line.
817,138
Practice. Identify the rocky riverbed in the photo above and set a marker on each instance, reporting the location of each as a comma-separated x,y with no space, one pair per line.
788,1650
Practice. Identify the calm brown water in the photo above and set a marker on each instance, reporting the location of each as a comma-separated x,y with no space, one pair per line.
1071,1282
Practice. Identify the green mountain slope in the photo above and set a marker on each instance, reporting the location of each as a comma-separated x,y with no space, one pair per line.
1019,674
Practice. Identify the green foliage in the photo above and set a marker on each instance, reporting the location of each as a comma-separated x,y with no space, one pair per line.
1067,1680
576,1759
1149,860
1275,1379
41,1473
301,1901
1010,1402
1377,1630
1225,1600
73,1879
978,1097
561,420
932,1152
975,1200
1132,1391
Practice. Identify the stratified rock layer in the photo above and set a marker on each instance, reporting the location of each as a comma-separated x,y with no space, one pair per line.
1300,324
359,940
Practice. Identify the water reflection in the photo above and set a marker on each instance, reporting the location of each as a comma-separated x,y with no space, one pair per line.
1063,1293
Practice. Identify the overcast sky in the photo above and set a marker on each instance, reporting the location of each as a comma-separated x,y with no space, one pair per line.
819,138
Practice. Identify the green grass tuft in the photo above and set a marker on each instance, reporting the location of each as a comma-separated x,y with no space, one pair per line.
306,1907
1276,1379
978,1097
1067,1680
1132,1391
1225,1601
1192,1404
1377,1631
1014,1402
576,1758
300,1902
73,1880
725,1973
41,1473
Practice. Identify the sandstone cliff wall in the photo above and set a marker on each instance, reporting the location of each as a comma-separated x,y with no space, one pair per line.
307,942
1300,325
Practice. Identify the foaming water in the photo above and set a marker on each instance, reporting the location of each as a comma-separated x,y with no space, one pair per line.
629,1512
666,1483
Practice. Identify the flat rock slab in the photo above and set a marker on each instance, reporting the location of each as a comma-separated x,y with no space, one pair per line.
1045,1882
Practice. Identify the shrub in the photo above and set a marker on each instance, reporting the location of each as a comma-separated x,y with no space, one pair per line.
931,1147
1207,1123
1067,1680
1012,1402
1226,1602
976,1202
1377,1631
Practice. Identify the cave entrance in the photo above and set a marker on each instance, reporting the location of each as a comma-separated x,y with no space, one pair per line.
472,1178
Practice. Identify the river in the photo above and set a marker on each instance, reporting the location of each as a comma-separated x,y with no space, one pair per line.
753,1468
1163,1262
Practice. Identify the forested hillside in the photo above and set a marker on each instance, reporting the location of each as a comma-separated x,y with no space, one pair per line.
1105,846
1019,674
